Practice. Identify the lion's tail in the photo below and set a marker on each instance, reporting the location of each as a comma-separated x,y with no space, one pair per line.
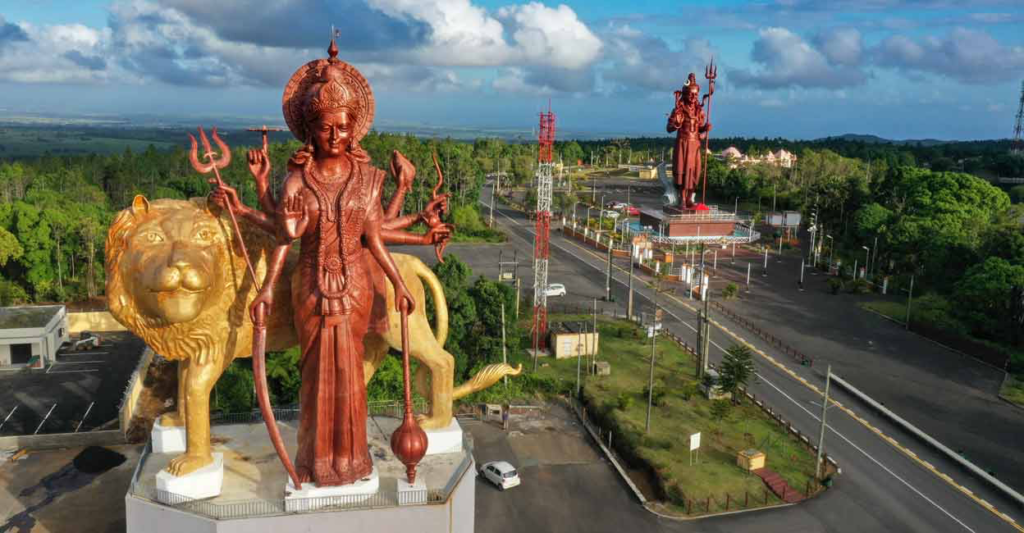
440,304
486,377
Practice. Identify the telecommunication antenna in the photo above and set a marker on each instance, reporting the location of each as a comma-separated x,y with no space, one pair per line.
545,167
1017,147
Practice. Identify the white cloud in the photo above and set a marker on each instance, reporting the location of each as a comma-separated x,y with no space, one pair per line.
787,60
840,46
969,56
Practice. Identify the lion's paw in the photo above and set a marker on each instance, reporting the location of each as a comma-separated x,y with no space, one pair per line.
186,464
433,422
172,419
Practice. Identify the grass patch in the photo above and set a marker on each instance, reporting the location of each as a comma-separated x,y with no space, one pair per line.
682,411
894,310
1013,390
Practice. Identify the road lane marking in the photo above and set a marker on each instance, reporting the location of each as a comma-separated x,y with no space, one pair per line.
786,370
866,454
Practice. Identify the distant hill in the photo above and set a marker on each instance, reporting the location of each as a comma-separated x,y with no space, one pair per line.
874,139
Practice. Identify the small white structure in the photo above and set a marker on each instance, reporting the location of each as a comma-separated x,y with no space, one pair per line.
31,336
734,158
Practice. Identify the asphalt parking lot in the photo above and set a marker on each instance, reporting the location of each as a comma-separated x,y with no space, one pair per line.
80,392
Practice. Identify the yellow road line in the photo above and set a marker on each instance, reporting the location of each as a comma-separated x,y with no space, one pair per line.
907,452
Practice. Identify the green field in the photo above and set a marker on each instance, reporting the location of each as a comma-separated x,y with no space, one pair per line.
18,142
666,448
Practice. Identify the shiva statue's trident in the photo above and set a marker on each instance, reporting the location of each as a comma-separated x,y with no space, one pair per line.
214,164
710,73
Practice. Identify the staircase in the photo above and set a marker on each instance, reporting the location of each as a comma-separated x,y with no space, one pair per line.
779,486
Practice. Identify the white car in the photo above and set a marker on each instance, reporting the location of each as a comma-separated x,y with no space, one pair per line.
611,214
555,289
501,473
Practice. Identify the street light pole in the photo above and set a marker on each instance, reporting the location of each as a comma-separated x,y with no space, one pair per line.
608,278
629,302
831,249
867,259
821,434
910,296
650,379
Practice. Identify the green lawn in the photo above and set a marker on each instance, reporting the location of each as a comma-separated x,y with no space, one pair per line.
666,448
1013,389
894,310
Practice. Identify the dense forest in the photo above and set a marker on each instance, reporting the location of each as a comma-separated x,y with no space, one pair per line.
920,207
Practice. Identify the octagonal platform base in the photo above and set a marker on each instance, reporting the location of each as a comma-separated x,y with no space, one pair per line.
254,500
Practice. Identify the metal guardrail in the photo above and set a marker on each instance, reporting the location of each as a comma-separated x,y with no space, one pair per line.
252,508
928,439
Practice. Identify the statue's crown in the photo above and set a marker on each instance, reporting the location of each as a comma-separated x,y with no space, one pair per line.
332,93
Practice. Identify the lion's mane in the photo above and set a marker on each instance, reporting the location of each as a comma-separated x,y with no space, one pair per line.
214,333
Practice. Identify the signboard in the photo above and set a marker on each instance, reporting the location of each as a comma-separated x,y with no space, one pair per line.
694,441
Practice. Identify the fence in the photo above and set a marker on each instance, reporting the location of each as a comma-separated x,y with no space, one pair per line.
710,503
253,508
797,355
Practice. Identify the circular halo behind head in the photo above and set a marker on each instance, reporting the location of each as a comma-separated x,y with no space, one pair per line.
308,80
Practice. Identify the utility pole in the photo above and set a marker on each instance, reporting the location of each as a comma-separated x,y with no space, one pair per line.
608,278
593,354
579,355
821,434
494,193
650,379
504,355
910,296
629,301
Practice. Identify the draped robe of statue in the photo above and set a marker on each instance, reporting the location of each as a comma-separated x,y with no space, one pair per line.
687,120
338,296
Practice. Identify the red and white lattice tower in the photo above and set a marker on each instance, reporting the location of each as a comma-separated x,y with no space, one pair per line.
1018,128
545,141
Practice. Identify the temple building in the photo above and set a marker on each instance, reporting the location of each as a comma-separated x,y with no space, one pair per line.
734,158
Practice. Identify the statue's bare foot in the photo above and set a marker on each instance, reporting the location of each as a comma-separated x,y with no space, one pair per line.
186,464
172,419
433,421
305,475
325,475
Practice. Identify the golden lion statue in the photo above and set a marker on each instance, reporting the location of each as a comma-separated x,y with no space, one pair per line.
177,278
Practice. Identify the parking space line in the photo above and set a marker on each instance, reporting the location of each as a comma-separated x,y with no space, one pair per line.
8,416
44,419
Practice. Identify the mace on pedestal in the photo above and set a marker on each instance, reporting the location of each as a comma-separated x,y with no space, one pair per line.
409,441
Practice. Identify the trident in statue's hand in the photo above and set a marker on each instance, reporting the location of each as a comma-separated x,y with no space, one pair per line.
214,164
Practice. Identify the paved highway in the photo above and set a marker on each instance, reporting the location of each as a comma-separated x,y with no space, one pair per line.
883,487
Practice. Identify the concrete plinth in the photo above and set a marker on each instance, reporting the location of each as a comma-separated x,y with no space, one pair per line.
203,483
167,439
252,499
413,494
311,497
445,440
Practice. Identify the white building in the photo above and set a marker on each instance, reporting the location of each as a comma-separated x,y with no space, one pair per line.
734,158
31,336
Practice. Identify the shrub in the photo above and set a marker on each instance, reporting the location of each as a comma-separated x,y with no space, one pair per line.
624,401
658,396
835,285
858,286
688,390
730,291
656,443
720,410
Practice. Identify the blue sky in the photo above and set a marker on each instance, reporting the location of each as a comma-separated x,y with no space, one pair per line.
791,68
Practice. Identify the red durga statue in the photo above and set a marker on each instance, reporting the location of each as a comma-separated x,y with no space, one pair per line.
331,202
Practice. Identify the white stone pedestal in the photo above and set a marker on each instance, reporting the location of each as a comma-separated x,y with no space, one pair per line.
445,440
167,439
203,483
311,497
414,494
